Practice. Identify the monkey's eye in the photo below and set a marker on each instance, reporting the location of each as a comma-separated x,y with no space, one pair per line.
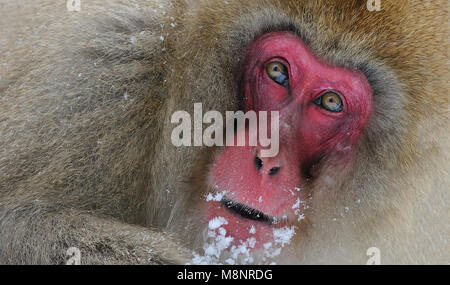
278,72
330,101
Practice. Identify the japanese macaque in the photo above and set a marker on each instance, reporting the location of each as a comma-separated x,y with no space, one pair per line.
87,160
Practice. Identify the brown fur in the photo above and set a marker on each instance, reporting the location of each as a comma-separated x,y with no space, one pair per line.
83,166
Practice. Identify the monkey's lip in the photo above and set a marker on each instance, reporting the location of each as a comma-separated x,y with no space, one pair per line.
245,211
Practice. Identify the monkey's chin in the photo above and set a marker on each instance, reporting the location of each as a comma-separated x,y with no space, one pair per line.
244,224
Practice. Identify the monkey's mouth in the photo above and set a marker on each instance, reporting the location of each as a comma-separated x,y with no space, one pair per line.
247,212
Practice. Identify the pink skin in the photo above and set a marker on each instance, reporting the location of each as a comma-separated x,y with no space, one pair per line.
307,132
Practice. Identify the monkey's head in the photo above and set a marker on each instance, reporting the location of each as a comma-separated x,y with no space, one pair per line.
345,144
344,98
323,110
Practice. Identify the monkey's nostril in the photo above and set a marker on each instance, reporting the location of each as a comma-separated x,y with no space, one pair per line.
258,163
274,170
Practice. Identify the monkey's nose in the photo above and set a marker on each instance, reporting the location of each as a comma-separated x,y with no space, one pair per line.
269,166
274,170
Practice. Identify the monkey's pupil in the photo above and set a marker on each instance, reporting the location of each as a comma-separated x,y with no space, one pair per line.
329,101
278,73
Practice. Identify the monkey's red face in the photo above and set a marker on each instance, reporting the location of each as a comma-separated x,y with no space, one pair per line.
322,112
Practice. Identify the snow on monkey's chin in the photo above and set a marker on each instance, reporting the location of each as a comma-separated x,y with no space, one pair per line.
221,247
241,229
232,239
